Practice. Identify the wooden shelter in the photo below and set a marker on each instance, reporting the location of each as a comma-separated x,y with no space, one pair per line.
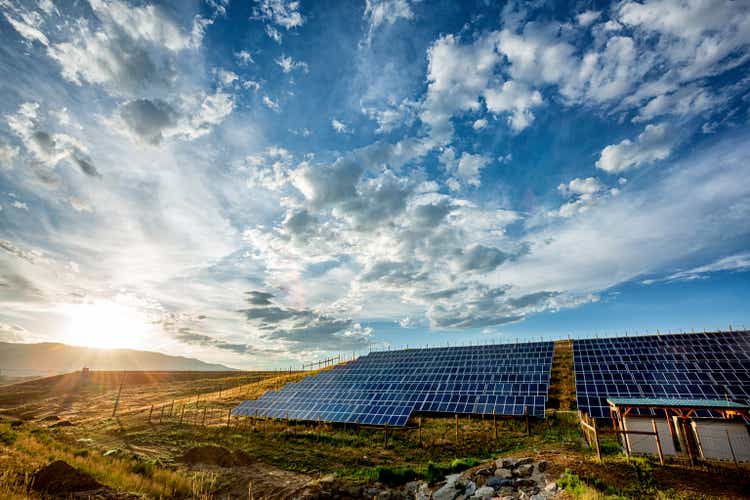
678,414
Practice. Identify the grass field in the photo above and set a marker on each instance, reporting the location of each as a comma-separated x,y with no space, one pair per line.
130,454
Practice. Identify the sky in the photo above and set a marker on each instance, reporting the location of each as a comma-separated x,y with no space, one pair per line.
264,183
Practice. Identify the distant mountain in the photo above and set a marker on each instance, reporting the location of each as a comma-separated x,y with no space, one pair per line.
21,360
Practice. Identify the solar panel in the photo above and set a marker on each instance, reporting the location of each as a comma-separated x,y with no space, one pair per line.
387,387
690,365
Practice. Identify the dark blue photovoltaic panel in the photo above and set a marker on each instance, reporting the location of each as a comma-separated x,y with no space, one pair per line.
688,366
385,388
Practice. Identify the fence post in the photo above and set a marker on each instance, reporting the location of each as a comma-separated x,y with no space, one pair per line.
229,416
171,408
161,414
119,391
386,436
182,414
150,412
596,438
455,416
528,424
204,417
420,431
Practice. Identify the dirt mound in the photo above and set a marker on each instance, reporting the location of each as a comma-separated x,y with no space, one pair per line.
241,458
59,477
209,455
216,455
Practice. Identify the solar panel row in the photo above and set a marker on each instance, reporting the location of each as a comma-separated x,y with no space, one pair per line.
387,387
694,366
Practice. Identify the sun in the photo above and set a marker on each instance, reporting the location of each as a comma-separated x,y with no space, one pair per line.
104,324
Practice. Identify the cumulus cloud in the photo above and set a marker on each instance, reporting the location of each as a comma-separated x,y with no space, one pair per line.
653,144
584,192
467,168
514,98
133,50
153,120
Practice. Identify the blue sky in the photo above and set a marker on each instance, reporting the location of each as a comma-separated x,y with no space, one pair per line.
264,182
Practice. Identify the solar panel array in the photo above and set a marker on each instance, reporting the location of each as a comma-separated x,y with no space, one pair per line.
692,366
385,388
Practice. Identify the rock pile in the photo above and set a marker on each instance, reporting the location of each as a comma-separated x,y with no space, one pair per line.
506,478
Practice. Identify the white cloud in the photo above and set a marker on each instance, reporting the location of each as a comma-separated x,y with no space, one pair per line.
583,194
270,103
479,124
738,262
653,144
288,64
514,98
20,205
226,78
380,12
28,28
152,120
244,57
278,13
338,126
587,17
467,168
8,154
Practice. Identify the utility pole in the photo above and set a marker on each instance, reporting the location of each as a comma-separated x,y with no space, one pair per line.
119,391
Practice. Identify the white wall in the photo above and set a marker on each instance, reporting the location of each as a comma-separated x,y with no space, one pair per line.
714,437
647,444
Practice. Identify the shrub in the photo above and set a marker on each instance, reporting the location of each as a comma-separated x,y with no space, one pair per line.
394,476
435,472
7,435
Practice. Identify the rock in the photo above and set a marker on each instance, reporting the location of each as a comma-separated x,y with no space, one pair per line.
525,483
498,482
484,472
505,463
470,488
423,493
524,461
524,470
551,487
448,491
541,466
537,497
484,492
481,480
503,473
112,453
61,478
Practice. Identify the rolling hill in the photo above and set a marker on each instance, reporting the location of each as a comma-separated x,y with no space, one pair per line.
23,360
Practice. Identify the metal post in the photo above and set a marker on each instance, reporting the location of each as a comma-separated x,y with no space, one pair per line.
385,444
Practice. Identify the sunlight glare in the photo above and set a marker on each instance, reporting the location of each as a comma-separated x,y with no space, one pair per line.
104,324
